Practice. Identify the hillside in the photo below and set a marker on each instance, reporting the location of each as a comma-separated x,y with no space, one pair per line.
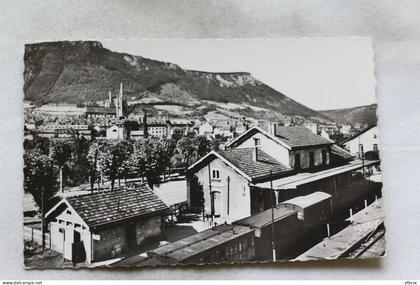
362,115
84,72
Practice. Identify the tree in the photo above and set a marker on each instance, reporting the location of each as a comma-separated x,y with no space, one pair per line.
80,165
151,157
111,157
39,179
60,153
92,159
186,147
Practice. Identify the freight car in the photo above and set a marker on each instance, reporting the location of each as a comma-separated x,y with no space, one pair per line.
221,244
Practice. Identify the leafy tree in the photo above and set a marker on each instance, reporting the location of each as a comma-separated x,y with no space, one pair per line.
151,157
80,165
187,149
111,158
92,158
39,179
60,152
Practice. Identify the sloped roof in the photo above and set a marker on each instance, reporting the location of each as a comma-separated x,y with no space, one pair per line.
185,248
112,206
100,110
358,134
299,136
341,153
265,218
308,200
242,159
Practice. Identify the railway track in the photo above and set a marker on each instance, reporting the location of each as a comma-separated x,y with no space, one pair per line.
374,245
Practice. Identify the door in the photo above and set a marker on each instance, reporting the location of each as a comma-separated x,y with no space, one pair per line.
216,205
131,236
68,242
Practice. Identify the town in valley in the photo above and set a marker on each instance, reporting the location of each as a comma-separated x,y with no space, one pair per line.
121,176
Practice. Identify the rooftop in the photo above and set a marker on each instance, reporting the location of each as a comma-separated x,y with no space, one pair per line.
242,158
291,182
200,242
112,206
299,136
308,200
264,218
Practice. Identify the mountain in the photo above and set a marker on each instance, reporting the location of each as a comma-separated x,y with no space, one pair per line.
362,115
84,72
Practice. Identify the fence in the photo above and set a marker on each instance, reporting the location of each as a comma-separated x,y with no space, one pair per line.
35,235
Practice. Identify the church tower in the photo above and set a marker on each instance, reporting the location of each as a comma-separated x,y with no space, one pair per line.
119,103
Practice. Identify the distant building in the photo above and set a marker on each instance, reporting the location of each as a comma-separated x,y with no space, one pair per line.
116,132
366,141
136,135
103,225
205,129
61,110
100,112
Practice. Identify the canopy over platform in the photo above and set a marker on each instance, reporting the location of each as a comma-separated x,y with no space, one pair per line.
291,182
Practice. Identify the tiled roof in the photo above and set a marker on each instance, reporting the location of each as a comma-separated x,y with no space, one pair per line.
299,136
242,159
112,206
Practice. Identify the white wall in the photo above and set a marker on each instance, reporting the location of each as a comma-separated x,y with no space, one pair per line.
272,148
67,221
367,139
239,193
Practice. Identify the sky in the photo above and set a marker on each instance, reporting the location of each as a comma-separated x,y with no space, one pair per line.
321,73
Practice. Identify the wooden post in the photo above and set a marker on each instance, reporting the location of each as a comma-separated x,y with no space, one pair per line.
273,245
42,219
228,194
351,212
328,230
61,179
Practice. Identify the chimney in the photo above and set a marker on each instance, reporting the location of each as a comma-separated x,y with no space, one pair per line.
273,128
255,150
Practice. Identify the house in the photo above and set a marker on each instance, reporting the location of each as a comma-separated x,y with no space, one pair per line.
136,135
363,142
116,132
234,183
104,225
205,129
225,177
297,147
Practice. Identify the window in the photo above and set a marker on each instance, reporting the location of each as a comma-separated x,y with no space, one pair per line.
311,159
324,157
375,136
257,142
297,160
215,174
375,147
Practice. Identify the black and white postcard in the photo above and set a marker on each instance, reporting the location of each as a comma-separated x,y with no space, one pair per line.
166,152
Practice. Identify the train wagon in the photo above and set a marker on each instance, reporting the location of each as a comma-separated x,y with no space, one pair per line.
221,244
286,226
314,208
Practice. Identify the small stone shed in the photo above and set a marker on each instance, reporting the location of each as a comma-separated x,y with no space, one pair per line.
105,225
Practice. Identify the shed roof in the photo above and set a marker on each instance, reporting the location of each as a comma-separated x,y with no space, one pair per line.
299,136
263,219
188,247
308,200
113,206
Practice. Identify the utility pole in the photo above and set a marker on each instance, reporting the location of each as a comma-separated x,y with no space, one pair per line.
42,218
273,246
363,161
228,194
